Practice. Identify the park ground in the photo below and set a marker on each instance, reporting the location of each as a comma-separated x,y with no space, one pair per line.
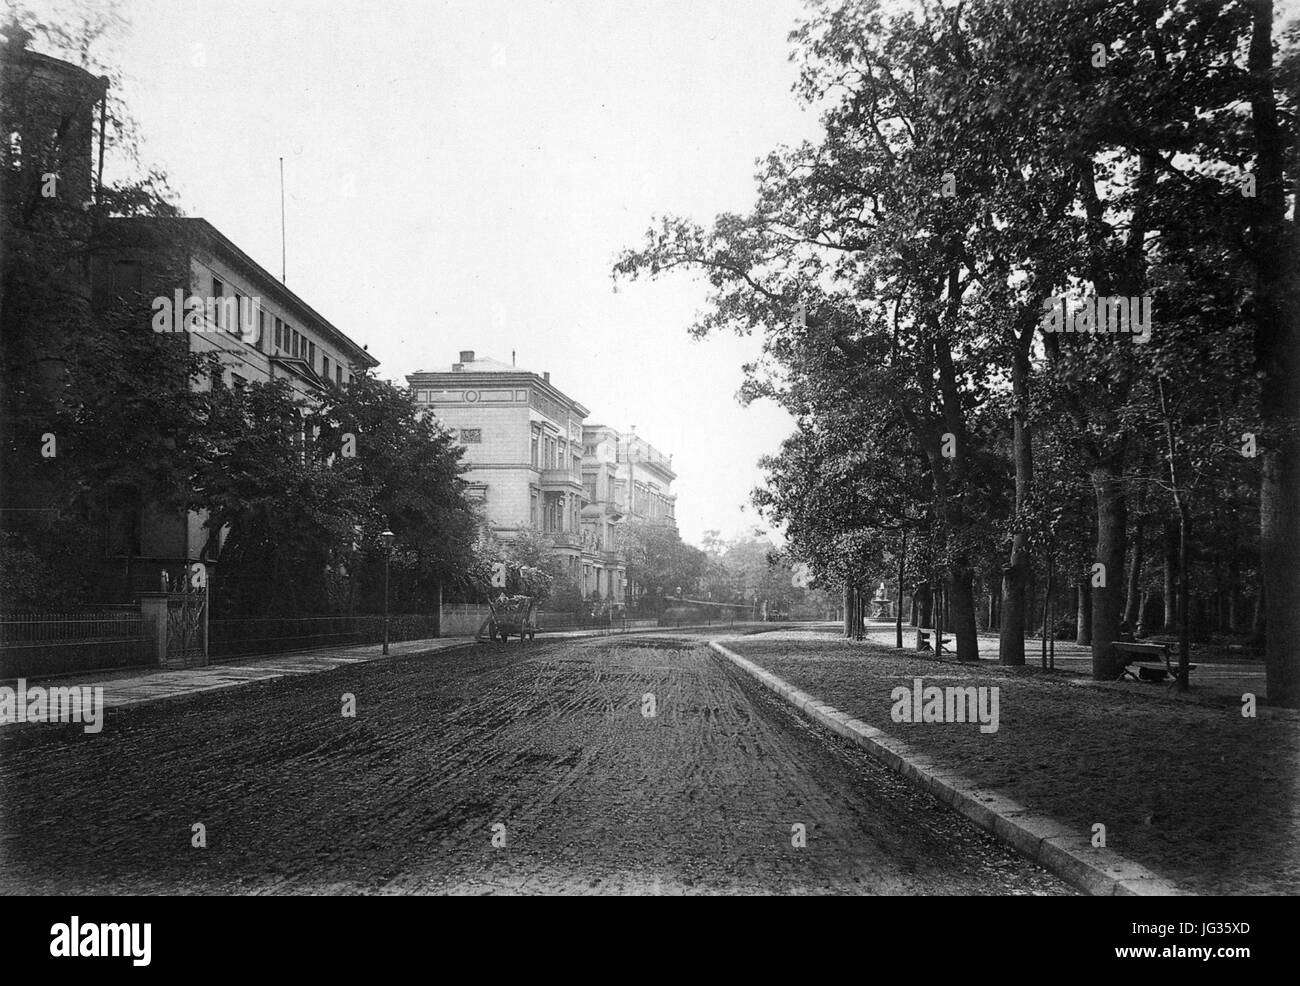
1185,785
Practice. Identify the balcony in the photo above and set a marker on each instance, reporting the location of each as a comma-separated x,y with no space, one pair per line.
565,539
561,477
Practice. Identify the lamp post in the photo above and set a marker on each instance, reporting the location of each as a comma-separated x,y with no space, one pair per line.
386,536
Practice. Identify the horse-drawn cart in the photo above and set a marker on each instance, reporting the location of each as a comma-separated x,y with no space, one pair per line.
510,615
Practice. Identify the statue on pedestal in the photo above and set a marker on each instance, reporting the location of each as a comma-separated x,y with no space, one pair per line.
883,606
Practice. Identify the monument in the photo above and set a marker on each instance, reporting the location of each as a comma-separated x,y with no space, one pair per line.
882,605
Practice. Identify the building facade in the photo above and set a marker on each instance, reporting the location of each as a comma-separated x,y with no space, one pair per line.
51,157
259,329
625,478
535,465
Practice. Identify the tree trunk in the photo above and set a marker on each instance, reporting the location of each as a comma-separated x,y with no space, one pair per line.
1133,597
1257,620
1083,619
1047,603
1011,634
963,611
1155,613
1171,575
898,616
1184,629
1108,484
1277,363
848,611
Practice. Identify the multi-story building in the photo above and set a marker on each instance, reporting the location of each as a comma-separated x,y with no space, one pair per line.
523,444
49,157
288,338
261,331
624,478
535,466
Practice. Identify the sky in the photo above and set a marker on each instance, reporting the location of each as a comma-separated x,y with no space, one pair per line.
461,176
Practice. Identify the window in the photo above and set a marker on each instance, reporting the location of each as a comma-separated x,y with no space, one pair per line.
532,510
279,335
534,459
214,312
325,367
471,436
238,381
261,330
338,375
311,354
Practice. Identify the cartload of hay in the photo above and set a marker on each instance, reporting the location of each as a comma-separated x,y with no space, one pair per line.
513,613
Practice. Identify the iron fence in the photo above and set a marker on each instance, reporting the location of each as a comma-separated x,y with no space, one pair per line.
247,636
57,643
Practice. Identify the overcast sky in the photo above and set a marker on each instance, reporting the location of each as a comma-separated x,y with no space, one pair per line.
460,176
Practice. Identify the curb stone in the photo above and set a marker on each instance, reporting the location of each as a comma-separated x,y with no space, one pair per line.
1053,845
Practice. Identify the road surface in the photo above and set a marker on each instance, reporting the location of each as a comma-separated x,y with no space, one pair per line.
533,768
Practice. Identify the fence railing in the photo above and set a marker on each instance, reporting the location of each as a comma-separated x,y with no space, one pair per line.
272,635
40,628
57,643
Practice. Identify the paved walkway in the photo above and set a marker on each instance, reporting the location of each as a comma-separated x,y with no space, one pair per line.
133,686
1219,681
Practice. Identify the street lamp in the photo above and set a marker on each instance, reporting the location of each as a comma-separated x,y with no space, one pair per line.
386,536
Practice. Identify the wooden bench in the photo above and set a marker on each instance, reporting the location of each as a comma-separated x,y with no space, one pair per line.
927,636
1147,670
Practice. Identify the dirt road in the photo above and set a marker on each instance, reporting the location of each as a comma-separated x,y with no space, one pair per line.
502,769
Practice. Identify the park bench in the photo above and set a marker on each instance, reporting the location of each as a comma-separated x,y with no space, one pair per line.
1147,670
928,638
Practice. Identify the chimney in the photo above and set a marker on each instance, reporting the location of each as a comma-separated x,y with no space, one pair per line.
546,375
467,356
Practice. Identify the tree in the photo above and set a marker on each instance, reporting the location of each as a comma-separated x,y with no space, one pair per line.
659,563
99,419
981,164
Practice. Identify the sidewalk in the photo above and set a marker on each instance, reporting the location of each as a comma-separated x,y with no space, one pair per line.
133,686
1187,788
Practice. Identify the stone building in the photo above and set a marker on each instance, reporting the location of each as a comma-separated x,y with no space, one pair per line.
261,330
78,259
624,478
535,465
